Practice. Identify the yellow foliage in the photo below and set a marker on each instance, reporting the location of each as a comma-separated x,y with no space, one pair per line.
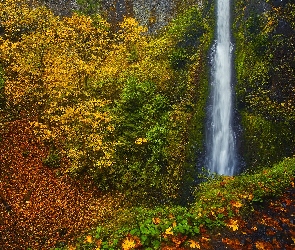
156,221
128,243
89,239
131,31
140,141
236,204
65,73
233,224
56,58
194,244
169,231
48,65
174,224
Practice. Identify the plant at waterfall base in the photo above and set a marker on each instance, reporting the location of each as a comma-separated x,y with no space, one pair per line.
127,110
222,202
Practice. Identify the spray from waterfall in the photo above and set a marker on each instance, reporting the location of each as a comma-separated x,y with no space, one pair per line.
221,148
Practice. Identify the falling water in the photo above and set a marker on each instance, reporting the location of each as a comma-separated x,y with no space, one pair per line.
221,139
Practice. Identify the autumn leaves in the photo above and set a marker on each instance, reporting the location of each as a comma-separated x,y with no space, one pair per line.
53,67
107,98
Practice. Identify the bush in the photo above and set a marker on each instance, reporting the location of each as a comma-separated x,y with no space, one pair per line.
53,159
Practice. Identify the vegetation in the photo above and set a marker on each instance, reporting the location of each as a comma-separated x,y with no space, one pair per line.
265,94
126,111
116,105
218,203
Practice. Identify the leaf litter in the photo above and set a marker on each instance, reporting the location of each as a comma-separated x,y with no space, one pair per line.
38,209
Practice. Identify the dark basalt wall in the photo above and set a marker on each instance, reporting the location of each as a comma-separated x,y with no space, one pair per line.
152,13
61,7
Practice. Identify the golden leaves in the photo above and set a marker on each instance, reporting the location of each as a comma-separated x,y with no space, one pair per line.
234,243
174,224
140,141
169,231
128,244
55,57
236,204
131,30
178,240
89,239
194,244
49,68
233,224
261,245
246,196
156,220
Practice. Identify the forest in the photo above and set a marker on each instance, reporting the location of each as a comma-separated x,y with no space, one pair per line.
102,130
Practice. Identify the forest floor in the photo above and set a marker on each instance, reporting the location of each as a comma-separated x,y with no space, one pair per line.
270,227
39,209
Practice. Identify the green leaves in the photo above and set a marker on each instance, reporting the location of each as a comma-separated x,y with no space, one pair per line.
265,84
140,120
88,7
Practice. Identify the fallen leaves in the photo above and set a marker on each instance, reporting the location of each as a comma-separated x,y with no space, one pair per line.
233,224
262,245
56,209
234,243
194,244
89,239
128,244
45,209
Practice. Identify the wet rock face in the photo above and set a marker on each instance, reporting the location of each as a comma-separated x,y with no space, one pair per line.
280,3
152,13
61,7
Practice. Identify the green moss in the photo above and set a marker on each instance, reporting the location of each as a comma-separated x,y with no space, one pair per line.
216,201
267,141
264,84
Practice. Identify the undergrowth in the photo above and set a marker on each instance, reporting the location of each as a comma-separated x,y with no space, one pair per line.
216,202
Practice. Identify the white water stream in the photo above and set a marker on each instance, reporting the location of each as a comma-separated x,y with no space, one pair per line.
221,141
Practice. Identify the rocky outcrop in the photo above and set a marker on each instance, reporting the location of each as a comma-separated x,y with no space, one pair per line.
61,7
152,13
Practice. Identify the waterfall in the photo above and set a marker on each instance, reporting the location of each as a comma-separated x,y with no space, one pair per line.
221,149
